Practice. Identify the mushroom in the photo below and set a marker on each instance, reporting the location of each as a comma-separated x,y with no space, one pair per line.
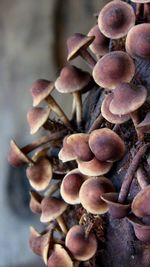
59,257
106,145
140,205
138,41
115,19
128,99
52,209
77,45
81,246
36,118
35,202
144,126
113,68
100,45
41,90
66,153
108,115
73,80
70,186
90,194
140,9
142,231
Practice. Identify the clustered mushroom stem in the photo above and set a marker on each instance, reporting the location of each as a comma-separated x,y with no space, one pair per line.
147,11
97,123
52,189
57,109
73,108
136,120
78,104
142,177
88,58
77,263
138,10
130,173
61,224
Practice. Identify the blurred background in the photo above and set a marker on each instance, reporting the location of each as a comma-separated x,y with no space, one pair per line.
32,45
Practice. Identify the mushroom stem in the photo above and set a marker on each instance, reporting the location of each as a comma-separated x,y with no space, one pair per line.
130,173
77,263
139,8
97,123
73,109
136,120
61,224
142,177
147,12
52,189
78,104
57,109
88,58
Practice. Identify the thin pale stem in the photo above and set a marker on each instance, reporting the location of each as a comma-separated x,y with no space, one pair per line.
136,120
88,58
52,189
78,104
62,225
97,123
142,177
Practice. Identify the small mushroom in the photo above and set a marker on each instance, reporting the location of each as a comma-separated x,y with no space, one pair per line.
70,186
36,118
66,153
81,246
138,41
35,202
142,231
113,68
59,257
90,194
115,19
77,45
106,145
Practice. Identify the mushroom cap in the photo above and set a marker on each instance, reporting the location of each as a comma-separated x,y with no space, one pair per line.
140,1
106,145
116,209
70,186
115,19
59,257
35,202
127,98
100,45
138,41
40,174
141,230
36,117
140,205
72,79
81,246
144,125
40,90
94,167
51,208
80,145
16,156
66,153
108,115
76,42
114,68
90,194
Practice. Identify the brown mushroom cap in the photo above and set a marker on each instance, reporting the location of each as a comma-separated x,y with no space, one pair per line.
90,194
140,205
16,156
35,202
115,19
100,45
51,208
40,90
127,98
109,116
76,42
40,174
142,231
36,118
59,257
82,248
70,186
80,145
66,153
140,1
94,167
138,41
113,68
72,79
106,145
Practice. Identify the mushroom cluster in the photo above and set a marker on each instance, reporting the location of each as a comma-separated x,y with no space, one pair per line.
70,161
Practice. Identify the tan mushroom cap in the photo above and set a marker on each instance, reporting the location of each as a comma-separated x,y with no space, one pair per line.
115,19
82,248
66,153
40,90
140,205
106,145
36,117
52,208
80,145
141,1
72,79
127,98
90,194
70,186
76,42
138,41
59,257
109,116
114,68
94,167
35,202
40,174
100,45
16,156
